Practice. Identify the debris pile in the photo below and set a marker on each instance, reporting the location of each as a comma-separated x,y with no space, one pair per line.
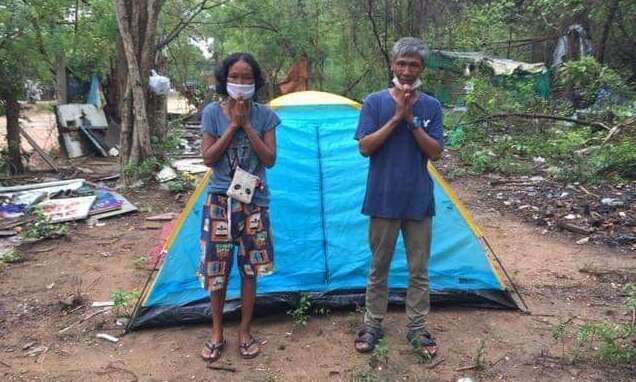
601,213
31,212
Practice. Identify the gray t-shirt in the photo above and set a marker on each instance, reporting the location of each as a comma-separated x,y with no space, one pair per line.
239,152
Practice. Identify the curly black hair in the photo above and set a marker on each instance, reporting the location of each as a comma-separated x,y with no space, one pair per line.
222,71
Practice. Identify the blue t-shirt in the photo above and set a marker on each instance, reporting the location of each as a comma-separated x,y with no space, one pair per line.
399,185
239,152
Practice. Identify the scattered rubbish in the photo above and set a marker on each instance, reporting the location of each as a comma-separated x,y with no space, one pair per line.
106,201
126,207
29,194
576,228
163,217
36,351
465,379
153,225
83,128
68,209
71,301
583,241
122,321
107,337
612,202
50,286
193,166
28,345
109,177
605,213
167,173
101,304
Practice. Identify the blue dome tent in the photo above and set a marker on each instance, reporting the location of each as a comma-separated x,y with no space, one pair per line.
320,236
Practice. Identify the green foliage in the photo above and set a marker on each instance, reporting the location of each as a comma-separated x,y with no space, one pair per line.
618,160
42,228
182,184
301,312
610,343
480,356
140,262
168,146
508,146
479,24
4,161
124,302
630,300
586,76
11,257
381,352
143,170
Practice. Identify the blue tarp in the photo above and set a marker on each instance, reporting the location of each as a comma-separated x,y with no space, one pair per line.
93,92
320,236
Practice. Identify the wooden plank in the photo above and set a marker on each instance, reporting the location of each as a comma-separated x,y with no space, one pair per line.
39,150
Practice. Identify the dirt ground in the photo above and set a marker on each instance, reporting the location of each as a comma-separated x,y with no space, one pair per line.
36,346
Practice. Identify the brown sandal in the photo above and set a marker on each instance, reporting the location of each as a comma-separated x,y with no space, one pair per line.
367,338
212,351
423,343
245,346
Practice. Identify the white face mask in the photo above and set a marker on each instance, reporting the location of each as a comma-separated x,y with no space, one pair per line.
237,90
415,85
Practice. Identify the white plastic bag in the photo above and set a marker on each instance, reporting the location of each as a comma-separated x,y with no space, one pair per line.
159,85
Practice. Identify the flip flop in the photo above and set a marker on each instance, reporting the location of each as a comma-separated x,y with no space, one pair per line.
245,346
367,338
212,351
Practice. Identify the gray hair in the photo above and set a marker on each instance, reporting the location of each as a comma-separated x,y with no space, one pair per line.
409,46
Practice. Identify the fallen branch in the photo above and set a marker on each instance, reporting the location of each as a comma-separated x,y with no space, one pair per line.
601,272
588,192
467,368
614,131
5,364
576,228
82,320
436,362
543,116
112,368
224,368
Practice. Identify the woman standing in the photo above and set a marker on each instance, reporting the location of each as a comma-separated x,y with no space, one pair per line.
239,142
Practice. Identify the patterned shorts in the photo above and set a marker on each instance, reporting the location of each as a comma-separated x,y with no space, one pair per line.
250,230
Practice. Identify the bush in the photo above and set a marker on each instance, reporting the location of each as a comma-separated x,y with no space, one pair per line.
584,78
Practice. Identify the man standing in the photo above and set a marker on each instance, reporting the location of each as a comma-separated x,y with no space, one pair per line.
400,130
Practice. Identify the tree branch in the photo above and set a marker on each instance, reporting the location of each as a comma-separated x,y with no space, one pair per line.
543,116
377,34
183,23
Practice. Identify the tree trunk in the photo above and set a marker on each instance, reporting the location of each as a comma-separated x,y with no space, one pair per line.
13,131
60,78
158,107
138,148
606,29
